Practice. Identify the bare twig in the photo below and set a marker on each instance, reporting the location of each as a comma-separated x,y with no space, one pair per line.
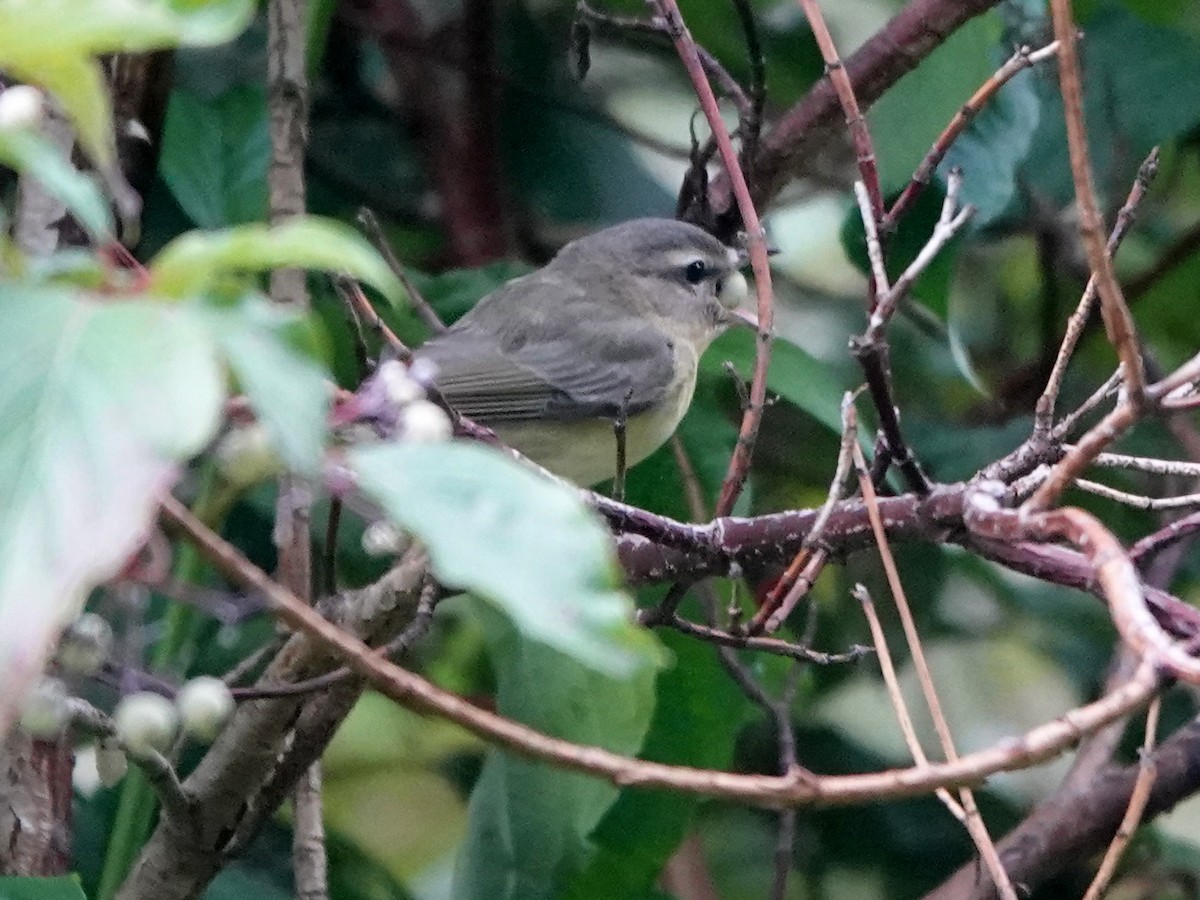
856,124
1021,60
970,810
739,465
354,298
1138,501
1146,464
775,646
1044,414
420,305
1117,320
1133,813
287,89
808,563
1153,544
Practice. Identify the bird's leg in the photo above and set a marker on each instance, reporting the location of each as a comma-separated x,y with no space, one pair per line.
619,423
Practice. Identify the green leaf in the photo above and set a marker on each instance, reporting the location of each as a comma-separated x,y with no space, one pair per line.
521,541
286,385
215,154
99,401
60,37
697,715
64,887
992,149
795,374
194,263
529,823
31,154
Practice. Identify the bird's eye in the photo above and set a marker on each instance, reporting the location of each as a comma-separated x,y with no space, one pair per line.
695,271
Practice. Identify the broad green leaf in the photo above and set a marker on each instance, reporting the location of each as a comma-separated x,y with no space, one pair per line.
527,544
90,27
99,401
794,374
58,39
64,887
286,386
990,152
32,155
527,834
194,263
215,154
697,715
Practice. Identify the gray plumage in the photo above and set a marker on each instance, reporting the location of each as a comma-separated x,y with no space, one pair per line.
594,333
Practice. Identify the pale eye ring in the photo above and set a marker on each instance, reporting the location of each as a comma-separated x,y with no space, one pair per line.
695,271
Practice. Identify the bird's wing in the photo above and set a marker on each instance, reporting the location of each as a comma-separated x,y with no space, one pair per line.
558,367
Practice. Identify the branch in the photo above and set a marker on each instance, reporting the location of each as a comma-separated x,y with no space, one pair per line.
1117,320
793,788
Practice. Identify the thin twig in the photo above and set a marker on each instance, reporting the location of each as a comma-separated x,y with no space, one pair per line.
856,123
354,298
1022,59
1044,414
775,646
972,818
421,306
1153,544
1145,464
739,464
1138,501
1117,320
808,563
1133,812
1108,389
896,696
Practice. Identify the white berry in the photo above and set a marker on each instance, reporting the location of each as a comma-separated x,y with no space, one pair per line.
21,106
382,538
46,713
424,422
145,722
85,645
205,705
400,387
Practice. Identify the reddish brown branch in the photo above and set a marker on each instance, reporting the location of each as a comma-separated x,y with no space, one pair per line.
739,465
1117,320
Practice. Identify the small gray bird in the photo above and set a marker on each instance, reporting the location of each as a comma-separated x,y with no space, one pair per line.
611,329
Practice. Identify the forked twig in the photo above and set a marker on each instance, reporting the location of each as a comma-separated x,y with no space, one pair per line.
972,818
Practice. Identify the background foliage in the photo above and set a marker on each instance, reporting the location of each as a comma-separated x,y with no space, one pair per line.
415,807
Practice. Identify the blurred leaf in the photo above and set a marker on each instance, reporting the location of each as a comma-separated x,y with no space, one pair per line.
529,822
192,264
286,386
523,542
31,154
566,162
453,293
60,37
215,154
992,148
99,401
794,374
64,887
907,119
697,715
1140,90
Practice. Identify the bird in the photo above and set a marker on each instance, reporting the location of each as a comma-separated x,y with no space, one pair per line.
605,338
